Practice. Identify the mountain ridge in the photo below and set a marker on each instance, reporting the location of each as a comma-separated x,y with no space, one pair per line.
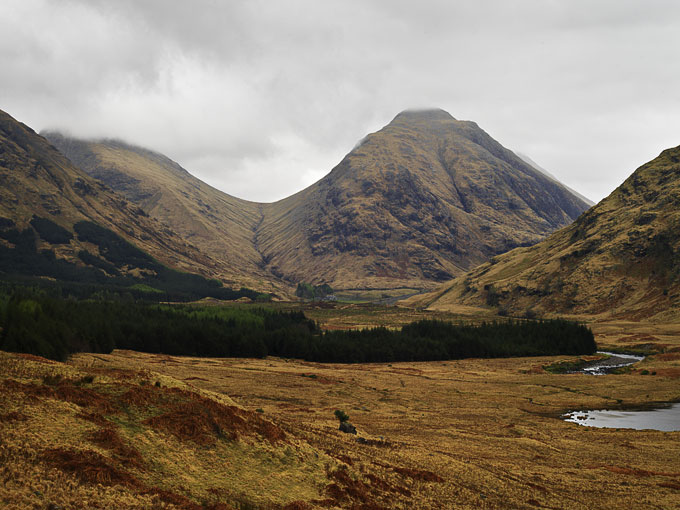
423,199
60,220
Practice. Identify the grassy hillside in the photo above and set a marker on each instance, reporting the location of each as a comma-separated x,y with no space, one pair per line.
59,226
221,225
422,200
620,259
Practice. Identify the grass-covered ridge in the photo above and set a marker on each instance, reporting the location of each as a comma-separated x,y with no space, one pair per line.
119,267
37,323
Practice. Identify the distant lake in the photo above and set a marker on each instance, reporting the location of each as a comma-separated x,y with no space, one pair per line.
666,418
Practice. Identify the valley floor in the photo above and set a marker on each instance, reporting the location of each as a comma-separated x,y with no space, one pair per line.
468,434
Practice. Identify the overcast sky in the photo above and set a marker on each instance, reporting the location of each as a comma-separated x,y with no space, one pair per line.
262,98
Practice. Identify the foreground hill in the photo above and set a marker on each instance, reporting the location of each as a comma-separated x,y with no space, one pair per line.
422,200
620,259
58,222
221,225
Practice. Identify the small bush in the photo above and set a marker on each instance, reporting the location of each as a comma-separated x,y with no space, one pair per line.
342,416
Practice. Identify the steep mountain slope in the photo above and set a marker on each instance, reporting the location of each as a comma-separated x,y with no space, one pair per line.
221,225
620,259
423,199
50,207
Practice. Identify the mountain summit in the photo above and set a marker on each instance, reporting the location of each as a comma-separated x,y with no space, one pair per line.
424,199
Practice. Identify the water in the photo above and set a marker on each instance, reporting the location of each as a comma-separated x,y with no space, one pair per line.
614,361
666,418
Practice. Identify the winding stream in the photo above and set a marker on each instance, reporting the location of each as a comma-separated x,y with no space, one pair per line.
614,361
665,418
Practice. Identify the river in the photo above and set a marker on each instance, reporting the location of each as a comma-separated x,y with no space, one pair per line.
665,417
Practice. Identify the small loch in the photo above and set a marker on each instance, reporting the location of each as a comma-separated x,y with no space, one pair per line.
666,418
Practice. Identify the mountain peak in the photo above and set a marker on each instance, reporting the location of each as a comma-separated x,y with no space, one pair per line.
423,115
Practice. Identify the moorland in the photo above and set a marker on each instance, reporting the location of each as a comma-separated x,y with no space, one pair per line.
159,431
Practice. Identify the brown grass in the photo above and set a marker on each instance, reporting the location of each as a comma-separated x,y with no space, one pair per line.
418,474
12,416
89,466
33,357
110,439
204,421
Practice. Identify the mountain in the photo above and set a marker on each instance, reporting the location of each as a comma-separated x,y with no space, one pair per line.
422,200
620,259
221,225
58,222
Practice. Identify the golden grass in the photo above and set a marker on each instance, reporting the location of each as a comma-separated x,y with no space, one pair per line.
109,442
461,434
159,431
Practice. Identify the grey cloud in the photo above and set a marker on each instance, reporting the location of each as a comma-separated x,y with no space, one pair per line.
262,97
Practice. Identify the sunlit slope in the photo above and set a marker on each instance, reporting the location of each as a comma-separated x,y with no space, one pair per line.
621,258
219,224
425,198
40,185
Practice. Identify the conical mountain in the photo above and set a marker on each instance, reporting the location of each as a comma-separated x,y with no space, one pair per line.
620,259
221,225
425,198
55,217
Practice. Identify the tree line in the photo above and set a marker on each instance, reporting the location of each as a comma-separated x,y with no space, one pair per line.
36,322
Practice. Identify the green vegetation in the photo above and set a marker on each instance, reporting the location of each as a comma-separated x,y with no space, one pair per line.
313,292
35,322
566,367
25,264
342,416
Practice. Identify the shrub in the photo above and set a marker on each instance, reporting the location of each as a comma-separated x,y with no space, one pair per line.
342,416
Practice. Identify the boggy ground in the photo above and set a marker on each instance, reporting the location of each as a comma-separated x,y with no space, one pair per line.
462,434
